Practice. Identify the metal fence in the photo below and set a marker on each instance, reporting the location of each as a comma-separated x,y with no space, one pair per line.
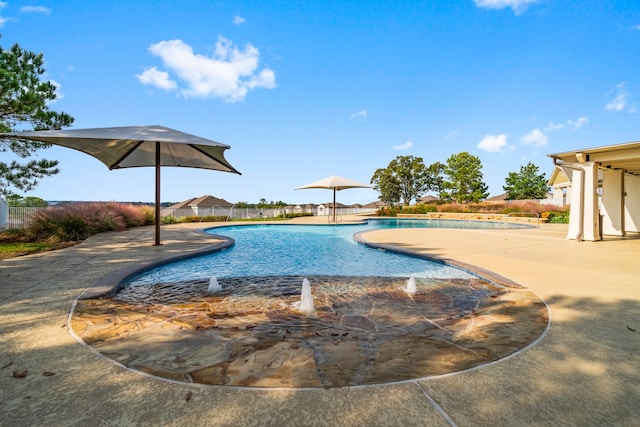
233,213
230,213
19,217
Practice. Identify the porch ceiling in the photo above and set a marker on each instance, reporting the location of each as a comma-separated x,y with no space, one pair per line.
621,156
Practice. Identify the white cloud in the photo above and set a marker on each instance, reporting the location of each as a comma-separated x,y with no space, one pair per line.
58,91
361,113
518,6
157,78
230,73
577,123
536,138
2,18
554,126
571,124
35,9
451,135
620,100
238,20
493,143
404,146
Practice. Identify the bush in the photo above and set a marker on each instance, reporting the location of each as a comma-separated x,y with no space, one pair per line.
205,218
149,214
169,219
73,222
554,213
388,211
296,214
556,217
73,229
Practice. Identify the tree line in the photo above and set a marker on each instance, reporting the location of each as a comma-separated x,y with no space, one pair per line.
459,180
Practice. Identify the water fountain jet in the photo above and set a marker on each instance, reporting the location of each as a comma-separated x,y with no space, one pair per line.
306,298
411,286
214,286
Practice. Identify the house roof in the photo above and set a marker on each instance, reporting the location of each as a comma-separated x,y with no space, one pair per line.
498,198
427,199
376,204
203,202
560,176
620,156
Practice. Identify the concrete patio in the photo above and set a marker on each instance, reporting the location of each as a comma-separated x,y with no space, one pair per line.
584,371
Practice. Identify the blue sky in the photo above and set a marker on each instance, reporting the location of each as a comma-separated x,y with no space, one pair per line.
302,90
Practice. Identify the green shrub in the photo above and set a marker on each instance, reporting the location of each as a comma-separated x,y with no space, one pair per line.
73,229
557,217
169,219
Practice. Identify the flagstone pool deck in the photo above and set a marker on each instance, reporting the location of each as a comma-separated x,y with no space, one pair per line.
584,371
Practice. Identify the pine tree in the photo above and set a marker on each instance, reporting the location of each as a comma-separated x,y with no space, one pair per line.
24,98
463,181
526,184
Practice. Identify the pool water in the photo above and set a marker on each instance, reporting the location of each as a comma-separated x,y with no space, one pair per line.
285,250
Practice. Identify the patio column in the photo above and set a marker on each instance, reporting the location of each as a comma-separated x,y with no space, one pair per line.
584,216
591,218
632,203
576,201
613,202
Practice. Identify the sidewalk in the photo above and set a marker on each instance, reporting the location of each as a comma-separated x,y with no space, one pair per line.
585,371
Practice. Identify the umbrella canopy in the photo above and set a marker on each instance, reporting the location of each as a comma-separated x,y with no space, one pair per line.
335,183
137,146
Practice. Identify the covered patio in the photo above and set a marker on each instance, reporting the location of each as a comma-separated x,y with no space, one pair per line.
605,190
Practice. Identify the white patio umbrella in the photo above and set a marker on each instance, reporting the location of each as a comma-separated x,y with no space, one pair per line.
137,146
335,183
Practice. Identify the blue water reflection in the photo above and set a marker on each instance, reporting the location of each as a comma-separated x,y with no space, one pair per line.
284,249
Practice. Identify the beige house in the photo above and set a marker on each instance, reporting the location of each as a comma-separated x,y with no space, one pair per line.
198,206
604,192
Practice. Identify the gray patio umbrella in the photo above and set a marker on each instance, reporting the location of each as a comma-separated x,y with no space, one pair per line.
137,146
335,183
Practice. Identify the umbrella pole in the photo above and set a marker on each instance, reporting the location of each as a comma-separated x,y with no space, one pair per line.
334,206
157,193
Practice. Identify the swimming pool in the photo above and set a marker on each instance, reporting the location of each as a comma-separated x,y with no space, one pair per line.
286,249
365,324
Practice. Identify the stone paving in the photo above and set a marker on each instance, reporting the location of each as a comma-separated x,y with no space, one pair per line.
361,330
584,371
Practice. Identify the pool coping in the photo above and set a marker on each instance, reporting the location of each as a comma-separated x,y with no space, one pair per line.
490,276
110,283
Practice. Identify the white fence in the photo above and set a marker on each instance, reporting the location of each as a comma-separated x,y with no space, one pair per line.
15,217
229,213
20,217
256,213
